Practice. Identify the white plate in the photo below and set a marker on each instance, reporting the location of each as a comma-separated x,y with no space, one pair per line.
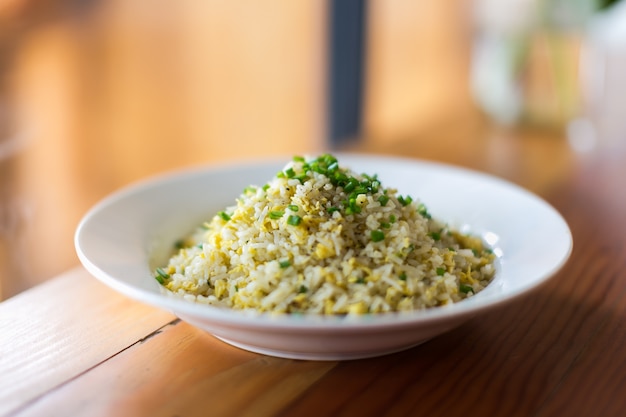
123,238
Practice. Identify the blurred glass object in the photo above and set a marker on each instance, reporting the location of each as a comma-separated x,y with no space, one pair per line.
499,46
525,53
601,122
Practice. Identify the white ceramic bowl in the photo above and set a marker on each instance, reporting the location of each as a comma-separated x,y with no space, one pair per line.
123,238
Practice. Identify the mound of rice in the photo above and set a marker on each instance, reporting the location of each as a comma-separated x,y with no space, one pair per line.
319,238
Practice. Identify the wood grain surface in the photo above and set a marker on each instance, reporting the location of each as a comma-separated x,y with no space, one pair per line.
69,325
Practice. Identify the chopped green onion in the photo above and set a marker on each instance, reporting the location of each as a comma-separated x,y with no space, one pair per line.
161,276
339,178
225,216
302,289
328,165
284,264
290,173
276,214
402,276
405,201
266,187
383,200
436,236
353,209
377,235
354,206
360,280
301,177
421,209
360,189
441,271
465,288
351,185
293,207
392,219
294,220
385,225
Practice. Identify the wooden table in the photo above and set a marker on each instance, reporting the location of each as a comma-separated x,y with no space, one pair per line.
72,346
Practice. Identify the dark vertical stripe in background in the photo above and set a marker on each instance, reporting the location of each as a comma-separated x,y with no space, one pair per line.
346,73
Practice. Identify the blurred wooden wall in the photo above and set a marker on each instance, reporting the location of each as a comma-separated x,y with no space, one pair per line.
417,67
135,88
124,89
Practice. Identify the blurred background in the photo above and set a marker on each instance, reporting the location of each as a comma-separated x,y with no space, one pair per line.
95,95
